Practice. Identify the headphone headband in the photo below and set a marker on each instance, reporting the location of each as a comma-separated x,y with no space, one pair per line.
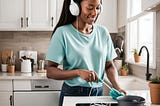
75,8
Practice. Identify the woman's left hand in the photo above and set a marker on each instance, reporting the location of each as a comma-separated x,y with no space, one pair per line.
123,91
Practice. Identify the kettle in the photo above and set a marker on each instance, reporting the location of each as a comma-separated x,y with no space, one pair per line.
26,66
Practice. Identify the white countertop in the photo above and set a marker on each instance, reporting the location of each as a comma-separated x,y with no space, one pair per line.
73,100
20,75
69,100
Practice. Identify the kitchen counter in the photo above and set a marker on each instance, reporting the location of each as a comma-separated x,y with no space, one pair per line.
35,75
20,75
73,100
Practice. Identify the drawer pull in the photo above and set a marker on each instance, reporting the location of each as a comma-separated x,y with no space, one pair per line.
52,21
38,86
21,22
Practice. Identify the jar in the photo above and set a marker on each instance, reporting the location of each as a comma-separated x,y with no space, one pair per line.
41,64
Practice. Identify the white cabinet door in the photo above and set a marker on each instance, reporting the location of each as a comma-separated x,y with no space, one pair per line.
122,13
6,99
40,14
108,17
11,12
59,8
146,4
27,15
36,98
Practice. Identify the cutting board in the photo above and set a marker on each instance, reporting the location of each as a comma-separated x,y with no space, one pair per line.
6,54
41,71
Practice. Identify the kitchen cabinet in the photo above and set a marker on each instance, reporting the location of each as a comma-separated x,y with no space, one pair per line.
59,9
22,15
11,12
148,4
45,98
6,97
108,17
41,92
122,13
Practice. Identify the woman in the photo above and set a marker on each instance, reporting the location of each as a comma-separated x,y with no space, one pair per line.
84,48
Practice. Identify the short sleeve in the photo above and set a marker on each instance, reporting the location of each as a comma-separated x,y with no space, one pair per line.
55,51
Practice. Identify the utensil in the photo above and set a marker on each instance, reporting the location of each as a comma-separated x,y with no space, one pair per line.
113,92
5,55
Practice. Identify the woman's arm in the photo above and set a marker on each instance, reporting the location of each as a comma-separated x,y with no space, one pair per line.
54,72
112,75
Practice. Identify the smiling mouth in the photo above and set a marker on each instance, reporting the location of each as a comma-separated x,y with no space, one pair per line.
92,19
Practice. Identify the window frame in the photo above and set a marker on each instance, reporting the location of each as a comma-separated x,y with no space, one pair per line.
128,52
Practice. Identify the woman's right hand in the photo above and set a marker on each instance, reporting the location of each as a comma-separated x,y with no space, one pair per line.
89,76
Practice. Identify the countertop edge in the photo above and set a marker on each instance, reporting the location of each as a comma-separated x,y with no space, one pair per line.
20,75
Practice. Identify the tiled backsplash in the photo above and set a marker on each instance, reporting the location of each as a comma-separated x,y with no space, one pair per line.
37,41
27,40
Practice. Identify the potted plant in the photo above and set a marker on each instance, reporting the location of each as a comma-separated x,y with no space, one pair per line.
124,70
136,55
154,86
11,64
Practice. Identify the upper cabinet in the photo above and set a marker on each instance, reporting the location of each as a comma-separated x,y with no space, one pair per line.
27,15
42,15
122,13
59,9
11,12
150,5
108,17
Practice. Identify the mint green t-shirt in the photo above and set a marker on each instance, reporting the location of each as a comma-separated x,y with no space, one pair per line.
76,50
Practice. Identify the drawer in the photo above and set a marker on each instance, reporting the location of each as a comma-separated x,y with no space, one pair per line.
22,85
36,85
6,85
46,84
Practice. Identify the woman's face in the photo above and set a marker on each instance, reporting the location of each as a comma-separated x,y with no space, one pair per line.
90,9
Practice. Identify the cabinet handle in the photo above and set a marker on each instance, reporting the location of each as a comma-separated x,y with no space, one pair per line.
27,21
21,22
52,21
11,100
38,86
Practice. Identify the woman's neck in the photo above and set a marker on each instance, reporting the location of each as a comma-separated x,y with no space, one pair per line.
83,27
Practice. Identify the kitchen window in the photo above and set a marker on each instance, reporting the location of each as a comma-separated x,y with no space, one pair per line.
140,32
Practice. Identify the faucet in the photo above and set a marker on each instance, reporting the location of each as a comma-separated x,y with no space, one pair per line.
148,75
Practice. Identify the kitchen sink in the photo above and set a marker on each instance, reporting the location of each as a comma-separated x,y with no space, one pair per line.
133,83
133,86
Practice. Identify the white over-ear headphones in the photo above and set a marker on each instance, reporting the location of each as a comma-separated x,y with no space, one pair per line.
75,9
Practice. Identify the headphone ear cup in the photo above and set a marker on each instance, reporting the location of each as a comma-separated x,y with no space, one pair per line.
74,9
101,9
